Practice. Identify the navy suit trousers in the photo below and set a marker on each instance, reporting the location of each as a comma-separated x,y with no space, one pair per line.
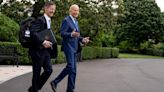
69,70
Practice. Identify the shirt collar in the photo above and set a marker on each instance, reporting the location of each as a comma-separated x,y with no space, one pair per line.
72,18
48,21
47,17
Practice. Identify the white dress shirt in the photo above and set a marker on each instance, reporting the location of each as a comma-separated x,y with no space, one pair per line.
48,20
72,18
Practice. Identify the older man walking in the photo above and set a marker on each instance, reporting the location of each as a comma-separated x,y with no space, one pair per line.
71,37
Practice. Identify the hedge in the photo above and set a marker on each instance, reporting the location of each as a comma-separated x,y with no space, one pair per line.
23,53
87,53
8,29
99,52
154,52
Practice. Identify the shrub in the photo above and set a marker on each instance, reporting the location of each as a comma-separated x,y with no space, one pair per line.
158,46
126,47
106,52
154,52
115,52
61,56
87,53
23,53
99,52
8,29
145,45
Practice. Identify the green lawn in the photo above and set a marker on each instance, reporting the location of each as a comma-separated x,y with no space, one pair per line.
125,55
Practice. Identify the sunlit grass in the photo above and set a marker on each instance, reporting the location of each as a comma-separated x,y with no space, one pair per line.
125,55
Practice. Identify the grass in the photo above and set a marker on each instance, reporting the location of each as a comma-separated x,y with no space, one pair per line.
125,55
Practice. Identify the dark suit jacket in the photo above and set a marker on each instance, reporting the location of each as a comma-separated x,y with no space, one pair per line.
39,25
69,44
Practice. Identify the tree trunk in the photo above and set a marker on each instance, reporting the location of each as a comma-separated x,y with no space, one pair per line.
37,7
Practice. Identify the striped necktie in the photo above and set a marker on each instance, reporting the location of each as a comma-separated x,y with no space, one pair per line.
76,25
49,24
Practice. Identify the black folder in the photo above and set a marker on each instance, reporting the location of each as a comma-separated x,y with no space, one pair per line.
47,34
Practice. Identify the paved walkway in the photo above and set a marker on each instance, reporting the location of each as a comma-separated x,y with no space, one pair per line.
108,75
8,72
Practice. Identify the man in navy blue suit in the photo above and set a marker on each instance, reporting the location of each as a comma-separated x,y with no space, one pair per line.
71,37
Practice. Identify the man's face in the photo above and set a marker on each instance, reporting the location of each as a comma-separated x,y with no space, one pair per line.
50,10
74,12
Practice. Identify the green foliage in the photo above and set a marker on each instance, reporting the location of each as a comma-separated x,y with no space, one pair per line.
61,56
155,49
16,10
159,46
115,52
87,53
154,52
126,55
99,52
126,46
145,45
23,53
95,20
162,14
8,29
142,22
92,53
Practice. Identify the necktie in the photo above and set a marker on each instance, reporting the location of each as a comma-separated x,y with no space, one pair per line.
76,25
51,30
49,24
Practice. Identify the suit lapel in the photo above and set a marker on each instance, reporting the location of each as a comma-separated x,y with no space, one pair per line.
73,24
44,22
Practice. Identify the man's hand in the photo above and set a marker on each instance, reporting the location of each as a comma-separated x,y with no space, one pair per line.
86,40
47,44
75,34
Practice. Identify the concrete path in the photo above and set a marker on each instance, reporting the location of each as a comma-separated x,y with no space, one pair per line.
8,72
108,75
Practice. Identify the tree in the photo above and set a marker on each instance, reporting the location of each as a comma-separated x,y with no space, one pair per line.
142,22
15,10
96,17
162,15
8,29
37,7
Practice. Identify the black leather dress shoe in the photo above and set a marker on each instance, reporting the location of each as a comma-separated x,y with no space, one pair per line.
30,89
70,91
53,86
